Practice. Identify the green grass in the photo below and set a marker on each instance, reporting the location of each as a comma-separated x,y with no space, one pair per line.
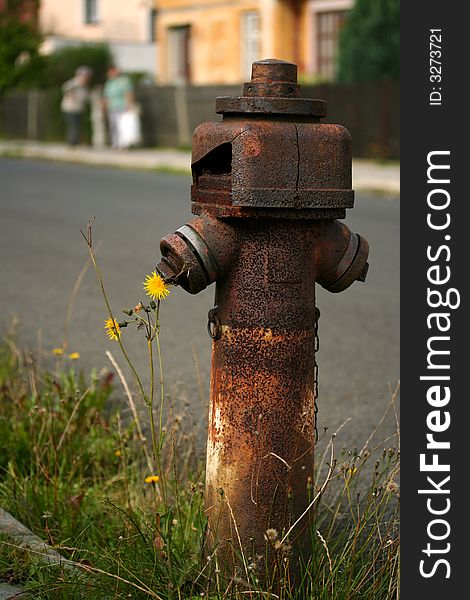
13,153
73,472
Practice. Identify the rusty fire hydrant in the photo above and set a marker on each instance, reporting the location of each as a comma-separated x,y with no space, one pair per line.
269,183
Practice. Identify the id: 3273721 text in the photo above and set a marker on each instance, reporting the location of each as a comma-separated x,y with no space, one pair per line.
435,67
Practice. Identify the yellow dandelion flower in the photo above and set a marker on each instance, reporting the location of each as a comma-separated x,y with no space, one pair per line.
152,479
155,287
74,355
117,453
57,351
112,329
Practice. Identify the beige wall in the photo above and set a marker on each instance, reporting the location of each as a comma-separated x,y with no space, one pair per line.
283,32
119,20
214,39
215,46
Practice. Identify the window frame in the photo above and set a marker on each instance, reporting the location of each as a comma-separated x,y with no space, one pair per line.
178,50
250,41
328,26
91,12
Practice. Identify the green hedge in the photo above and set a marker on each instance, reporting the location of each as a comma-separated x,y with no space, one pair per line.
369,47
62,64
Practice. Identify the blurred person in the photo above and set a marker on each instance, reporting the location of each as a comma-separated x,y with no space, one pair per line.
118,98
75,97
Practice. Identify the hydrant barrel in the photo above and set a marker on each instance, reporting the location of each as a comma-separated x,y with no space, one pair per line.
269,185
261,417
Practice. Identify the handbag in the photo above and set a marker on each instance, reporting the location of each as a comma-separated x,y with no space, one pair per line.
129,131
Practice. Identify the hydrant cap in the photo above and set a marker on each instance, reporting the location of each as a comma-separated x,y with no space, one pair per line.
273,89
271,153
271,68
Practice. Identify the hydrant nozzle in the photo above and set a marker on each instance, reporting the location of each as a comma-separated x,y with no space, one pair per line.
269,183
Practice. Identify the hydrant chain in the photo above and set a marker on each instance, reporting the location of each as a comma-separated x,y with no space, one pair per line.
214,326
315,372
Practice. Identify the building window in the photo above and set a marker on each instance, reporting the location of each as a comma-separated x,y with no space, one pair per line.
250,41
328,27
179,61
152,25
91,11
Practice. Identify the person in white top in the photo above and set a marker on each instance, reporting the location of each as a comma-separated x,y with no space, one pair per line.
75,97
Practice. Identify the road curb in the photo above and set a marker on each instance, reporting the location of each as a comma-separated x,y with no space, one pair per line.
38,551
8,592
28,540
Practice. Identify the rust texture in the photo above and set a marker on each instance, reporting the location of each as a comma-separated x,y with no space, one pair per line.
269,184
261,422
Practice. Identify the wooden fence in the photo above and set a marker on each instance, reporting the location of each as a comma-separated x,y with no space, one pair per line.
371,112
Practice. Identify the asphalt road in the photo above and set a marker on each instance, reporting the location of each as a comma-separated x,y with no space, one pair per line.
44,205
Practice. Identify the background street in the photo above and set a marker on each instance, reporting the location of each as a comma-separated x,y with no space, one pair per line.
42,208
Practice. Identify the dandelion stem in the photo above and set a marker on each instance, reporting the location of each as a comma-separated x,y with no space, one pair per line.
132,407
123,350
155,448
150,405
162,389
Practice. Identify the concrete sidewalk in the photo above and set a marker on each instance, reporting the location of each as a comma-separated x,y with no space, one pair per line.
8,592
368,175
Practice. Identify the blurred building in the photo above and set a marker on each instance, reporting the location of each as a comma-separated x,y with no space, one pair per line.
201,42
215,41
127,26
